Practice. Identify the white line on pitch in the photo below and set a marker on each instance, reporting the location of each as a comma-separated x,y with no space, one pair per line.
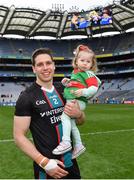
9,140
107,132
83,134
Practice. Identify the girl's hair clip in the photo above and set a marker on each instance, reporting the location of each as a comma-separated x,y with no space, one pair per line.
83,48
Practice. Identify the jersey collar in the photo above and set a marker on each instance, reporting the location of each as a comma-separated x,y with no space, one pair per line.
48,90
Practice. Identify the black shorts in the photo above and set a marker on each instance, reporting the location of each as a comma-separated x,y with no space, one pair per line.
74,172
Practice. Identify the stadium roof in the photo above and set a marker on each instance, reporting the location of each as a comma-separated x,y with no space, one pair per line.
30,22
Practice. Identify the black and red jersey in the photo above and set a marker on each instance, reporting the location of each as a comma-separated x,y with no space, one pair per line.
45,108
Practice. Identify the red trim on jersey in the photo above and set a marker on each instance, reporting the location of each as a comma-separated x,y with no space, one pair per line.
76,84
44,92
92,81
58,133
59,96
76,70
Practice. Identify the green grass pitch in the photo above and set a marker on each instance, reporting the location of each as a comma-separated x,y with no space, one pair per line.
108,135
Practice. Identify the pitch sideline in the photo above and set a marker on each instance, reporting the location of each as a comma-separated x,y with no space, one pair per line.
83,134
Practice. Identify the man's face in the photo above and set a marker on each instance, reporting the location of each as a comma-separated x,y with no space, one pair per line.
44,68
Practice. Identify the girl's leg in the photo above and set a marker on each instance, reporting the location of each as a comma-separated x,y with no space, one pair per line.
78,146
65,144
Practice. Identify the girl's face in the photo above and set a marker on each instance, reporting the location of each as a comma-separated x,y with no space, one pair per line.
84,61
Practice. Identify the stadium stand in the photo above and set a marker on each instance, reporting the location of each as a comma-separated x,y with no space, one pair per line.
115,53
10,91
116,89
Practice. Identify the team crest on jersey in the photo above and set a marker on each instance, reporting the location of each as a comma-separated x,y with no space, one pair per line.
52,97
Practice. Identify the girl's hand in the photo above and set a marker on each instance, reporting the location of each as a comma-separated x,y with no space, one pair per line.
65,81
77,93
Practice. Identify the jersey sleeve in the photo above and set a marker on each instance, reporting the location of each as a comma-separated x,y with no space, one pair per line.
90,91
92,83
23,105
91,79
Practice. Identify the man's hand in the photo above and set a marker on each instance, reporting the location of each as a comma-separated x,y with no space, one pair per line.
55,171
72,109
53,167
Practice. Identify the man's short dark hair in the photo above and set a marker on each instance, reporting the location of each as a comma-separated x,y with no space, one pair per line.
41,51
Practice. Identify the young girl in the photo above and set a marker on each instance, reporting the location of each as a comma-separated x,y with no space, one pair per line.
82,86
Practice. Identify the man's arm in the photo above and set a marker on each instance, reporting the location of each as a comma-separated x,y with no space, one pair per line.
72,109
21,127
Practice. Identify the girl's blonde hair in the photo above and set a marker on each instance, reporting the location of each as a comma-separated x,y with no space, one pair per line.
85,49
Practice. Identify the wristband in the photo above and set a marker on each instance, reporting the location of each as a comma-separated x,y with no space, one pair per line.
41,160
